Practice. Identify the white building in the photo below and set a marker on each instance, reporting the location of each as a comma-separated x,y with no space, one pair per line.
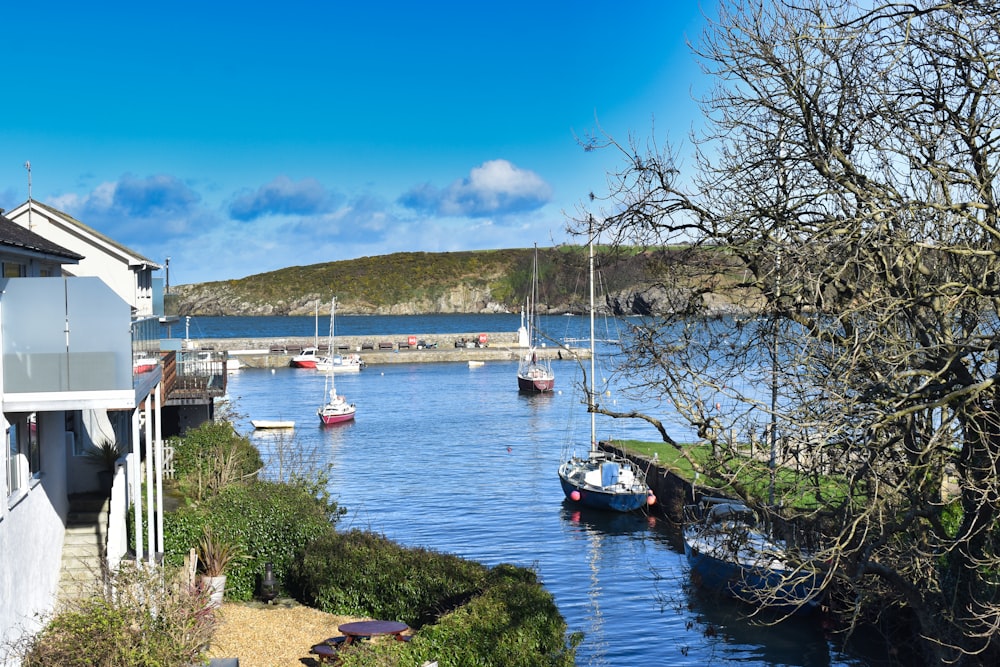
129,274
69,378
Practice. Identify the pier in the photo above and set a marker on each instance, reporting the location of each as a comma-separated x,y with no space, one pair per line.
374,350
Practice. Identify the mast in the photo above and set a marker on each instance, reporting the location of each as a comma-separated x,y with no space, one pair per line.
590,394
333,350
533,299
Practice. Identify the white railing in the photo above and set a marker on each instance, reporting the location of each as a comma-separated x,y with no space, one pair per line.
168,461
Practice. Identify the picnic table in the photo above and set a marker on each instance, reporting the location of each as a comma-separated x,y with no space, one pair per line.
356,630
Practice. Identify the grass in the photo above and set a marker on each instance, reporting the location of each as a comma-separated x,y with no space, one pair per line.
807,491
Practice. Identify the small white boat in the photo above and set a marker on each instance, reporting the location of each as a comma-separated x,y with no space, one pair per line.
306,359
272,423
473,363
351,363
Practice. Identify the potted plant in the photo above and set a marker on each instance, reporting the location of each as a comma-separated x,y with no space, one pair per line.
105,455
215,554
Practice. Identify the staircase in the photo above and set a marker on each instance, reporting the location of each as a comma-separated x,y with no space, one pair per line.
83,547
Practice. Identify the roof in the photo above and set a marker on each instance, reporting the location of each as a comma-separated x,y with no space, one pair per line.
13,235
137,258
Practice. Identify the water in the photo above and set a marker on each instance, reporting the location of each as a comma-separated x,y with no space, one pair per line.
453,458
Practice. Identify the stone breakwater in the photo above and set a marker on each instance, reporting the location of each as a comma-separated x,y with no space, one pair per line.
419,348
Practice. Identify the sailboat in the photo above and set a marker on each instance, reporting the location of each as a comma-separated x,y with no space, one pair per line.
336,409
533,375
602,480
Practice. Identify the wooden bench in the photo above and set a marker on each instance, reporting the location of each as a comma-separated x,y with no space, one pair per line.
385,345
403,346
326,651
277,349
367,346
293,349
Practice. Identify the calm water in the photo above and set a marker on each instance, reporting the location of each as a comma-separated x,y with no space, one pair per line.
455,459
559,327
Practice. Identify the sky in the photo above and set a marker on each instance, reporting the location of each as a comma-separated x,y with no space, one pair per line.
241,138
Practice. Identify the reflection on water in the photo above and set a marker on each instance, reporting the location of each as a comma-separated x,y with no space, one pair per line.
457,460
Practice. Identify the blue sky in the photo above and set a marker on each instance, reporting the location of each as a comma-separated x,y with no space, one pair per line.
239,138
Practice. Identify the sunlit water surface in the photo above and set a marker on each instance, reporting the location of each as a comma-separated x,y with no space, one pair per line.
455,459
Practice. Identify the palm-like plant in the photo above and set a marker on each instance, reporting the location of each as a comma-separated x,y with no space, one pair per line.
105,454
215,553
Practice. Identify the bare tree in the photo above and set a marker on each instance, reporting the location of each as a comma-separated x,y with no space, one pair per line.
850,171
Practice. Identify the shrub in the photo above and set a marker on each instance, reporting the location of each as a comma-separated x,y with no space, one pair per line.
513,622
365,574
212,456
146,619
271,522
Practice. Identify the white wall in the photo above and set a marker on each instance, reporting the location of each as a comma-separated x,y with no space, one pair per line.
31,538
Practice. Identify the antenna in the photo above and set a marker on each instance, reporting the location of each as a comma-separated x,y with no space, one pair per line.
27,165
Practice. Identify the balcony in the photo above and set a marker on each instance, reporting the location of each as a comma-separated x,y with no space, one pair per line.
193,376
66,344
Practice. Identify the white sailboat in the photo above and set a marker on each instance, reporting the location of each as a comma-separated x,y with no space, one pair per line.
533,374
337,409
600,479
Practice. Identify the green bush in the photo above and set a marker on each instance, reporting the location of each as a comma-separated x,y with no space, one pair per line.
364,574
464,613
513,622
143,620
272,522
212,456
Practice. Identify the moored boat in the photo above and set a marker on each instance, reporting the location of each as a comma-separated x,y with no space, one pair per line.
336,409
533,374
306,359
602,479
728,553
351,363
271,423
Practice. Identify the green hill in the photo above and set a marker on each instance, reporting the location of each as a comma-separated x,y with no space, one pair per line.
419,282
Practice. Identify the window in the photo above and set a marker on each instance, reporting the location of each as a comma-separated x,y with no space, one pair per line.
14,270
13,461
34,449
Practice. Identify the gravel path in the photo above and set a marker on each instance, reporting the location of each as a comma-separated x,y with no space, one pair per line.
275,635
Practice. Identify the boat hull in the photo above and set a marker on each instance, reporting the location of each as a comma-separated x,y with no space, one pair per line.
536,385
327,420
271,423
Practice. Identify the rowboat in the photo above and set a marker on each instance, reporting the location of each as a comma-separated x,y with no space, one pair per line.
271,423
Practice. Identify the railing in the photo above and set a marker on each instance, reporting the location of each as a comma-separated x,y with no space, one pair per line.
168,461
195,374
